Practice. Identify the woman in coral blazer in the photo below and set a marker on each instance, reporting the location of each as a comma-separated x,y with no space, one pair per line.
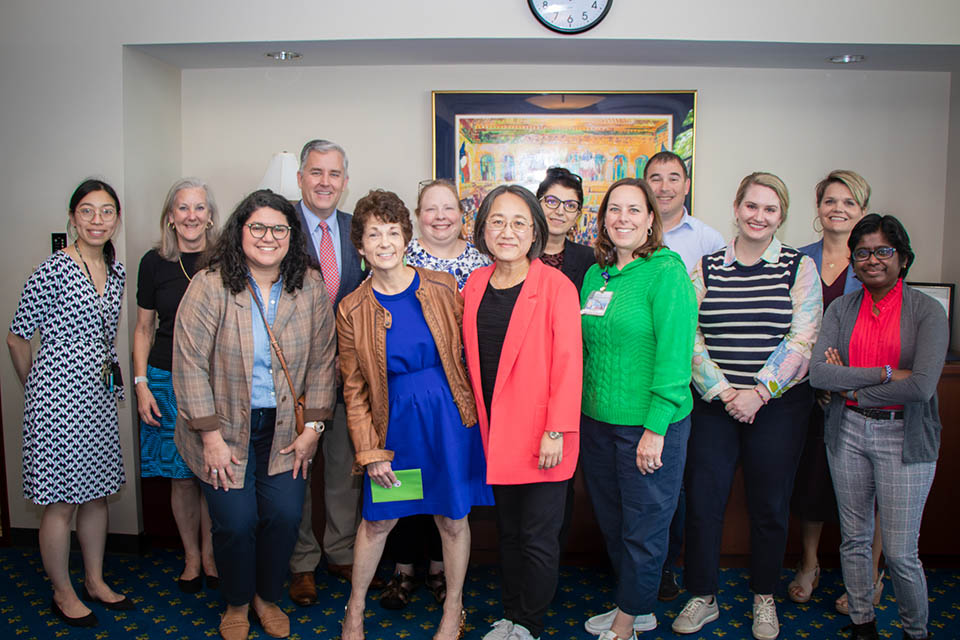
521,333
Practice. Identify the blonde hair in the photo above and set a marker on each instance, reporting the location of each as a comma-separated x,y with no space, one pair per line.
769,181
859,188
168,248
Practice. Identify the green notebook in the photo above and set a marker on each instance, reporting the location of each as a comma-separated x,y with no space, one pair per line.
411,487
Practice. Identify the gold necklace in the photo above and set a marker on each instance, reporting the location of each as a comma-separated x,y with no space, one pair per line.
180,260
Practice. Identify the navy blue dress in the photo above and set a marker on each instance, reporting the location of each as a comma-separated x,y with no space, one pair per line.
425,430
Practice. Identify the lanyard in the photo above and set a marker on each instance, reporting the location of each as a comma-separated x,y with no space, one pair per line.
103,320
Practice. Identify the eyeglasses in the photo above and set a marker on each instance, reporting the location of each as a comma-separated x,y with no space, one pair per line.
517,225
107,213
258,230
882,253
552,202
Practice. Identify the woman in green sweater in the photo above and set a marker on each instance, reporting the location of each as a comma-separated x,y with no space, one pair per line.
639,315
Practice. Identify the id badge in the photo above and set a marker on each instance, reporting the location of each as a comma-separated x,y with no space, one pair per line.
597,303
106,374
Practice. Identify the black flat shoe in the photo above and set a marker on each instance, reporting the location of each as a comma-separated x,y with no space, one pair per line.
120,605
213,582
88,620
190,586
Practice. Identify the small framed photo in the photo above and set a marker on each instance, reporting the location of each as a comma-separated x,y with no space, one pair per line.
942,292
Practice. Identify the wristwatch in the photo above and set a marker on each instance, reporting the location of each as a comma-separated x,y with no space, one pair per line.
554,435
888,371
316,425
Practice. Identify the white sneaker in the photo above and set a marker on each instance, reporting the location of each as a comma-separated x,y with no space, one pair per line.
765,623
602,622
501,630
520,632
610,635
695,614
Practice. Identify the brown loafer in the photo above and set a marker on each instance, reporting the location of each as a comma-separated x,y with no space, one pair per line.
303,589
273,620
234,626
345,573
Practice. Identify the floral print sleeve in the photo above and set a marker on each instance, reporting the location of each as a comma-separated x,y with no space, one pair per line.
708,380
790,361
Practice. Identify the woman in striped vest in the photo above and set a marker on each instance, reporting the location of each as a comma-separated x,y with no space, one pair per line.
760,308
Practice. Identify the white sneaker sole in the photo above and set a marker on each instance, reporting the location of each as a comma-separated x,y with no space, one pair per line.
641,624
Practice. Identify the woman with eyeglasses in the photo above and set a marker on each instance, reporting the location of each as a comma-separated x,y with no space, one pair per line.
561,197
880,354
440,247
188,222
842,199
759,313
521,334
411,414
236,424
71,442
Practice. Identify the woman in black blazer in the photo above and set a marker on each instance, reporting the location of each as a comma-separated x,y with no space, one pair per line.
561,198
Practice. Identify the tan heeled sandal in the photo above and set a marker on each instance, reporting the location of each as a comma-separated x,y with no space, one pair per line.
843,603
801,587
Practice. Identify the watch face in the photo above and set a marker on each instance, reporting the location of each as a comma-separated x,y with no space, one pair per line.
570,16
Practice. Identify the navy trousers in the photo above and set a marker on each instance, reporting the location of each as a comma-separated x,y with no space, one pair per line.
634,510
255,528
769,450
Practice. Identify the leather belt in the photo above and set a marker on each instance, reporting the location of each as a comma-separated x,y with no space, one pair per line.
878,414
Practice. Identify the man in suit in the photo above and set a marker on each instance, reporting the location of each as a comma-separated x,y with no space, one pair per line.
322,179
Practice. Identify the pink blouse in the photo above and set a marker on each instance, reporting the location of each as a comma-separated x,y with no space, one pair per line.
875,340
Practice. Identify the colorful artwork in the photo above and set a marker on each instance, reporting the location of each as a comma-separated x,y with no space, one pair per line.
480,142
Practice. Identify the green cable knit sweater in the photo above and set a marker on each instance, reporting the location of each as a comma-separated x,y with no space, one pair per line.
637,356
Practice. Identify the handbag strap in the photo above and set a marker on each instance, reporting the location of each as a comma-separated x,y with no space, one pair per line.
273,341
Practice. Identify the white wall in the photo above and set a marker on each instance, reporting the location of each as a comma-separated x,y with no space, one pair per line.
797,124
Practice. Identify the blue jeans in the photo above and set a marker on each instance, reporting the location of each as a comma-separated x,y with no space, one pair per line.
866,465
255,528
634,510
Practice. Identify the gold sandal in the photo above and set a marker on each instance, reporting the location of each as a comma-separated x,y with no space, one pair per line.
843,603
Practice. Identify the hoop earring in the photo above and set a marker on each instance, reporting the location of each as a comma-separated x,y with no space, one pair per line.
170,225
650,230
815,221
209,224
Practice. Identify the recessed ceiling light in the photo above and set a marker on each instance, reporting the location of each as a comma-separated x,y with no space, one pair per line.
848,58
283,56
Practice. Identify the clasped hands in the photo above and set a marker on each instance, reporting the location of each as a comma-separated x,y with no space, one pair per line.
743,404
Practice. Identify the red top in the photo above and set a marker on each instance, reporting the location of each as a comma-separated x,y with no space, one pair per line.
875,340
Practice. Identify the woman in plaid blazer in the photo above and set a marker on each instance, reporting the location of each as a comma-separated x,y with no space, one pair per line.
236,428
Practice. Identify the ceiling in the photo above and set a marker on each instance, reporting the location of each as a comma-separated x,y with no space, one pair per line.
568,51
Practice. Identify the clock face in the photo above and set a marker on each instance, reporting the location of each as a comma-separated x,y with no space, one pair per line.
570,16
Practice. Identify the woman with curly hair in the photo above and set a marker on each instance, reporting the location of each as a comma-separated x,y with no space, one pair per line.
236,426
409,406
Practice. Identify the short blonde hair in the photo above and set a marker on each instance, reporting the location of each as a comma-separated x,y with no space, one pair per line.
769,181
859,188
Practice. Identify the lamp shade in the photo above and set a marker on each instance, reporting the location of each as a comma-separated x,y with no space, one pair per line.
281,175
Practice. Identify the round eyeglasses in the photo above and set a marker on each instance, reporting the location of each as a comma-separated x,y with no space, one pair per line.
258,230
552,202
107,213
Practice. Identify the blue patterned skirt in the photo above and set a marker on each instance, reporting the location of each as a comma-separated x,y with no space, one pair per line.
158,453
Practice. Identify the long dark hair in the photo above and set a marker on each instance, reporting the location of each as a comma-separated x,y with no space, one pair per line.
228,253
88,186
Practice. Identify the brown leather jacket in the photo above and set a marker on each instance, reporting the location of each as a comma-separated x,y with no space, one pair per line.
362,325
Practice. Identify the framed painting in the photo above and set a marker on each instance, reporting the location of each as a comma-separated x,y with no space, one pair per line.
484,139
942,292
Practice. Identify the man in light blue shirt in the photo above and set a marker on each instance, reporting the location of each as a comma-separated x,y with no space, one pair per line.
667,175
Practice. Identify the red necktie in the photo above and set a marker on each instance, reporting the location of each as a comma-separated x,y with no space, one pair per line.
328,262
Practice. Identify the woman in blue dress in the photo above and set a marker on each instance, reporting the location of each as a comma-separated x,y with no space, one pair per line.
410,409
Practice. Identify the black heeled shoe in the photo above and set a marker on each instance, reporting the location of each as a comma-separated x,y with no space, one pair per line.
213,582
190,586
89,620
120,605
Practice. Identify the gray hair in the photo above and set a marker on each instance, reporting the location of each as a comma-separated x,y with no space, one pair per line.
168,248
323,146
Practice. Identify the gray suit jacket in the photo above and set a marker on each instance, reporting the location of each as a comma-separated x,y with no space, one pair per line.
923,349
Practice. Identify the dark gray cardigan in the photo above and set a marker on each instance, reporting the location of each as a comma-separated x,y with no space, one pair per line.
923,347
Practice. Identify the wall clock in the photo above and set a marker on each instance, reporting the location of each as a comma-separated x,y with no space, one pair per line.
570,16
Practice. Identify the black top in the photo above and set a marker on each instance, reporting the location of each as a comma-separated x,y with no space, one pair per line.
493,318
160,287
573,261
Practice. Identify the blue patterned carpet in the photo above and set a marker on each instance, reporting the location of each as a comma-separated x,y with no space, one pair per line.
165,612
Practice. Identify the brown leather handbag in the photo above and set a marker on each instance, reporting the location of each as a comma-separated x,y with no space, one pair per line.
301,402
